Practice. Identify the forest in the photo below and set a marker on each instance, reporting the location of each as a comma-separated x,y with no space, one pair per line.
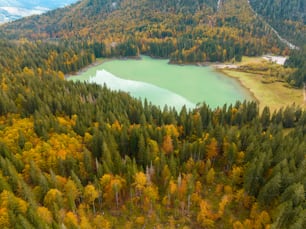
286,16
77,155
297,60
184,31
69,156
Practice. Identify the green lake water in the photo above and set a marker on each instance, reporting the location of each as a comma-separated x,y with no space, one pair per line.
162,83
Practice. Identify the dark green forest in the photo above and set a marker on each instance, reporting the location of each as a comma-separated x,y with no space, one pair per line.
288,17
297,60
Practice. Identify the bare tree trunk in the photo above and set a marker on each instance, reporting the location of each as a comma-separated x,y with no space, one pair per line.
94,207
117,199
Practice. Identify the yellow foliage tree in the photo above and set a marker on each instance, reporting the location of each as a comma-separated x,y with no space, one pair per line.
204,217
71,194
238,225
45,214
167,144
90,195
4,218
247,223
140,220
53,197
151,195
100,222
212,149
10,201
61,75
85,224
237,175
112,187
210,177
140,182
224,201
71,220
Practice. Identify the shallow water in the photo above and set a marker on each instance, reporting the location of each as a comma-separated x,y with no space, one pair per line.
162,83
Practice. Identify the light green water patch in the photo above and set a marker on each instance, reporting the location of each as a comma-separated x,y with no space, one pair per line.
189,84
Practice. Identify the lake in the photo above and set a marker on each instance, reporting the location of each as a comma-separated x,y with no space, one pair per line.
162,83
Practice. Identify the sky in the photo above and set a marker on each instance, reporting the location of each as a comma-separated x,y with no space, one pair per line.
14,9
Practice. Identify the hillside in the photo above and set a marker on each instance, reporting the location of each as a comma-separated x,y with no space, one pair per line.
288,17
185,31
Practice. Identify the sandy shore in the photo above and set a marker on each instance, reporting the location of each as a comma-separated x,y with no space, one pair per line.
222,66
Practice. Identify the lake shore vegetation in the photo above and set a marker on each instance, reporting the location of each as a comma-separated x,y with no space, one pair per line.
271,84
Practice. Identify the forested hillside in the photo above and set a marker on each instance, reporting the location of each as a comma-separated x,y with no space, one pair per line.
184,31
298,60
288,17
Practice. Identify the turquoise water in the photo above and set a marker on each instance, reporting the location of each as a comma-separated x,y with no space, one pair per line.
162,83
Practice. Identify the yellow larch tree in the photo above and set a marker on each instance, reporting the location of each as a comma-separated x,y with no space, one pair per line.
212,149
52,198
204,217
90,195
45,214
100,222
4,218
210,177
71,220
167,144
71,193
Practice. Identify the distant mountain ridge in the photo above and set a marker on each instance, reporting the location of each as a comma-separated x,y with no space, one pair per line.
15,9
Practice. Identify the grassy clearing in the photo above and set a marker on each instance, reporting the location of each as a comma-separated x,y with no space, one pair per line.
251,60
275,95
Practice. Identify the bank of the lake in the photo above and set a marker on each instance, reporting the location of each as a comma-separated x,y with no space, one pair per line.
275,95
192,83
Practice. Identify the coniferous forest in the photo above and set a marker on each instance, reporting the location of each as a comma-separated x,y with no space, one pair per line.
287,16
184,31
77,155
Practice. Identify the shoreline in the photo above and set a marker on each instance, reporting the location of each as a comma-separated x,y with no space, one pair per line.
97,62
82,70
242,83
216,66
262,94
275,95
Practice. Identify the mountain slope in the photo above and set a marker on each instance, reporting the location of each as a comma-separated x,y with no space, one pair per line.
185,31
90,14
288,17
